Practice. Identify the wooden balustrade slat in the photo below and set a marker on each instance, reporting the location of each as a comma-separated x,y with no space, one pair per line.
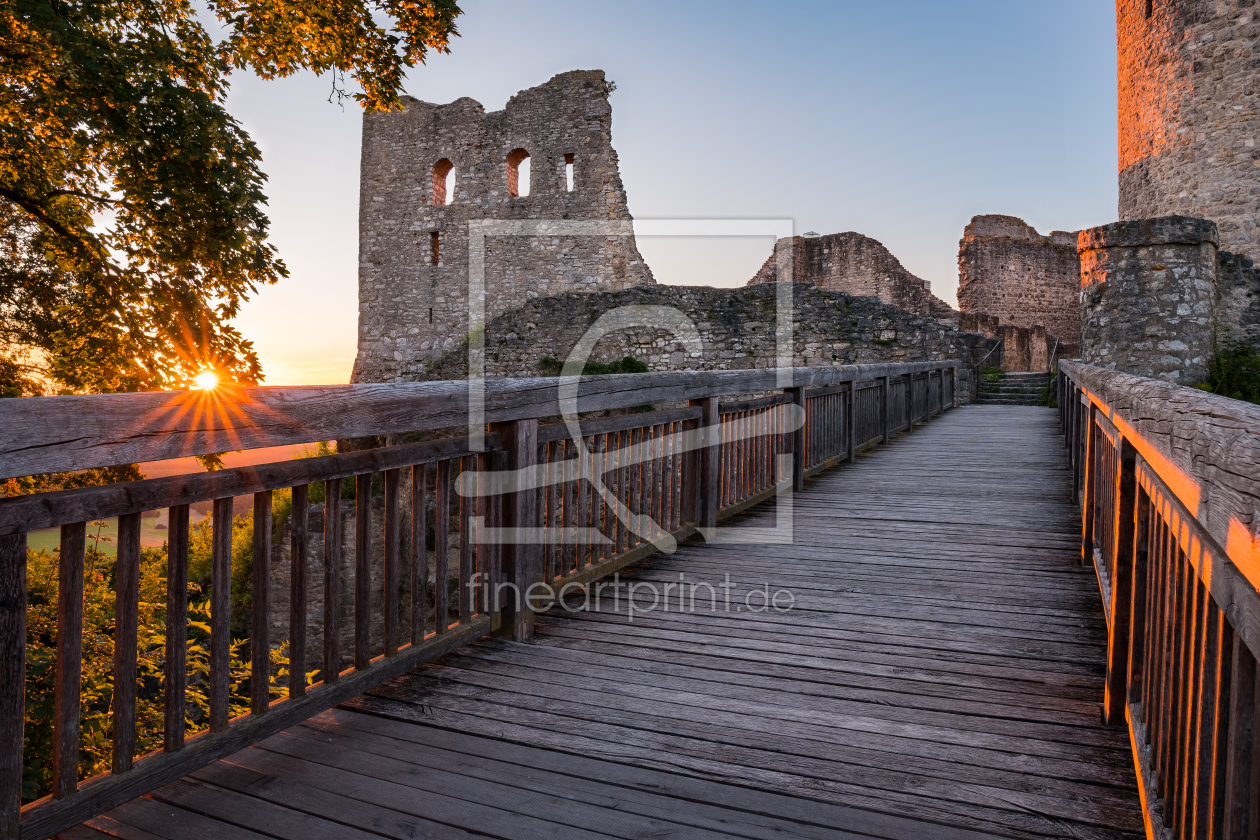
12,679
417,555
465,546
362,571
175,668
332,580
65,758
260,608
390,571
1242,757
851,424
220,613
299,523
441,530
1136,669
126,630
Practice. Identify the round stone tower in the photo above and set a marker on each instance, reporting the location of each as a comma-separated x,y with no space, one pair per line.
1188,99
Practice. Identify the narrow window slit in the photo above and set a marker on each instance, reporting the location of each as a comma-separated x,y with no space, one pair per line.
568,171
518,173
434,248
442,183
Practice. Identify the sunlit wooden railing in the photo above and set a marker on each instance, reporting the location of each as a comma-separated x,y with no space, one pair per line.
597,494
1168,480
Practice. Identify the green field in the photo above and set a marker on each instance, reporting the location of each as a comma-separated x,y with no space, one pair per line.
103,534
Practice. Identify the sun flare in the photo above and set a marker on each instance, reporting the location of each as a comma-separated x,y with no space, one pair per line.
207,380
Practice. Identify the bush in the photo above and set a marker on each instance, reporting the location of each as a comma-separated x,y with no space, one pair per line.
1234,371
96,686
627,364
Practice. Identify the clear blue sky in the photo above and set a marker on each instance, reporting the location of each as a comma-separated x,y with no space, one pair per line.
899,120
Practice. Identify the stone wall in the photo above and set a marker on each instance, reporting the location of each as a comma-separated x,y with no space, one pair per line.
736,328
854,264
1238,297
1188,100
1148,297
1008,270
1023,348
414,247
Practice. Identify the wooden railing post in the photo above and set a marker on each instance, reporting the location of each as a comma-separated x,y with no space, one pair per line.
798,442
1121,563
1090,495
12,680
520,567
707,464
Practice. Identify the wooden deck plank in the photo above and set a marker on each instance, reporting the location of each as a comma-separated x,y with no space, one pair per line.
938,678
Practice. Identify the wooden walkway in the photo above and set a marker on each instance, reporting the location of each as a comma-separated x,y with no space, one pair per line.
939,677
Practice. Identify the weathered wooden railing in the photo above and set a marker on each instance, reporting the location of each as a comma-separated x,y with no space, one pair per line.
1169,483
594,501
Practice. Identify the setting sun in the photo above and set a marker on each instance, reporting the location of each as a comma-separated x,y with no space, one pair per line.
207,380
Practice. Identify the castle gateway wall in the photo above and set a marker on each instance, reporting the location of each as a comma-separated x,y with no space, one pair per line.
428,170
1008,270
1188,100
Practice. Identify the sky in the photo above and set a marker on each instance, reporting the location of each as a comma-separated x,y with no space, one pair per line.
899,121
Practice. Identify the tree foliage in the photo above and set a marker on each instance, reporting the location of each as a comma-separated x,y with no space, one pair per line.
132,222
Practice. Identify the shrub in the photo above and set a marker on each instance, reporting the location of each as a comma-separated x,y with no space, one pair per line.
1234,371
627,364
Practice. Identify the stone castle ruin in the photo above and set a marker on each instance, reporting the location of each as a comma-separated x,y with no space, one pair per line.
1022,287
1151,294
429,170
854,264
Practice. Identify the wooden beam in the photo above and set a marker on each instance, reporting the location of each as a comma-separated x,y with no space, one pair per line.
46,510
55,434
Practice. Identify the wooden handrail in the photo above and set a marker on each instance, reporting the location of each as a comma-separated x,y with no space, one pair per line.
58,434
661,476
1168,479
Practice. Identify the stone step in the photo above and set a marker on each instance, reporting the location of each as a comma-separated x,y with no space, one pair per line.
1011,390
1007,401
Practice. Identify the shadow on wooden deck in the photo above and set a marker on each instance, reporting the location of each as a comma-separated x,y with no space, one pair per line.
939,676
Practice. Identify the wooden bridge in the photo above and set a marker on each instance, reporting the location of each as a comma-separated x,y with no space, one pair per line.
882,617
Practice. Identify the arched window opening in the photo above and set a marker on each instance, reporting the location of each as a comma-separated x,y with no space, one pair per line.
568,171
435,253
518,173
443,182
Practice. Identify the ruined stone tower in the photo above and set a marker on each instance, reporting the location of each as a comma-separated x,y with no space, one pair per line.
1188,98
1008,270
856,264
414,222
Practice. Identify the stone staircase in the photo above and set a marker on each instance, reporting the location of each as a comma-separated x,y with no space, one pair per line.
1013,389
